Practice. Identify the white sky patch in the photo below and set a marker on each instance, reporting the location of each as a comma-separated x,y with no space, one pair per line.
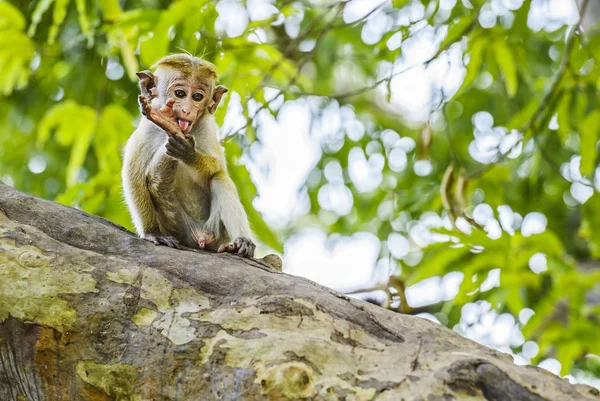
538,263
551,365
340,264
534,223
233,18
357,9
281,162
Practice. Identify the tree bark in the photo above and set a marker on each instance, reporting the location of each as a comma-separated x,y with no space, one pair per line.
90,312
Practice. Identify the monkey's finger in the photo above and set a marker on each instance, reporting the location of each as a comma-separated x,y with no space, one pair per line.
173,151
169,241
243,250
177,143
168,107
226,248
245,246
144,104
151,238
249,249
190,140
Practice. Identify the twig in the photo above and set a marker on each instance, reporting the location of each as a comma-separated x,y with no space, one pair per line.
286,53
362,19
415,363
425,63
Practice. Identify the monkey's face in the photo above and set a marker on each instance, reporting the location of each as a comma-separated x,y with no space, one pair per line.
191,100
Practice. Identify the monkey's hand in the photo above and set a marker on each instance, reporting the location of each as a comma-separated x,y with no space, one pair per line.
161,116
242,246
203,238
183,147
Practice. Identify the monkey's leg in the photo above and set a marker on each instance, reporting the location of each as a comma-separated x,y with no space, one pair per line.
160,177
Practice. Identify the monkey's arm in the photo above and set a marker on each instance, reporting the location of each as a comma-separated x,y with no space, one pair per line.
136,190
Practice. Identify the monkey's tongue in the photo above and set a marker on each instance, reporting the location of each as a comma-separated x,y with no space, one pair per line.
183,124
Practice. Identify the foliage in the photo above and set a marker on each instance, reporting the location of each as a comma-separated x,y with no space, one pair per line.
517,135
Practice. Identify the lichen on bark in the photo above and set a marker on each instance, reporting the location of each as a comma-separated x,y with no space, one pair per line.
32,280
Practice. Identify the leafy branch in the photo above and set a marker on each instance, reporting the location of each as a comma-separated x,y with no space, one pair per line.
546,106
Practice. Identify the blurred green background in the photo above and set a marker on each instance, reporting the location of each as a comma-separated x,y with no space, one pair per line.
437,157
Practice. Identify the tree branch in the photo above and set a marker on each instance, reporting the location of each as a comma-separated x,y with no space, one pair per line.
91,311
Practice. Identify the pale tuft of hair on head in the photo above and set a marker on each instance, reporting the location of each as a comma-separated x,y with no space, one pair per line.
187,64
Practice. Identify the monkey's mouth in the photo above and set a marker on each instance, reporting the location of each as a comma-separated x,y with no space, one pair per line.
183,124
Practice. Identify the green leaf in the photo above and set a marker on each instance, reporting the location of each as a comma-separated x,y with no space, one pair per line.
74,125
566,353
588,140
476,57
590,225
10,17
110,8
38,12
84,23
129,59
399,3
114,127
16,49
438,262
85,122
457,30
523,116
158,46
247,193
563,115
58,16
506,63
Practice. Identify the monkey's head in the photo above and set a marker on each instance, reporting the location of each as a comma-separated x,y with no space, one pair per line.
189,81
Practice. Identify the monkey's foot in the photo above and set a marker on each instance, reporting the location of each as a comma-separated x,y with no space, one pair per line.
167,240
242,246
203,238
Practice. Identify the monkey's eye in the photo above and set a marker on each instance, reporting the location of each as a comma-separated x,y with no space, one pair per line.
180,93
197,96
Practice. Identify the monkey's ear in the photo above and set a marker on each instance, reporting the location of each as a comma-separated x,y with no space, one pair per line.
147,83
219,91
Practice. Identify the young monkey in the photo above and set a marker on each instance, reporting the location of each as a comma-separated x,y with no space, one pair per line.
174,172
